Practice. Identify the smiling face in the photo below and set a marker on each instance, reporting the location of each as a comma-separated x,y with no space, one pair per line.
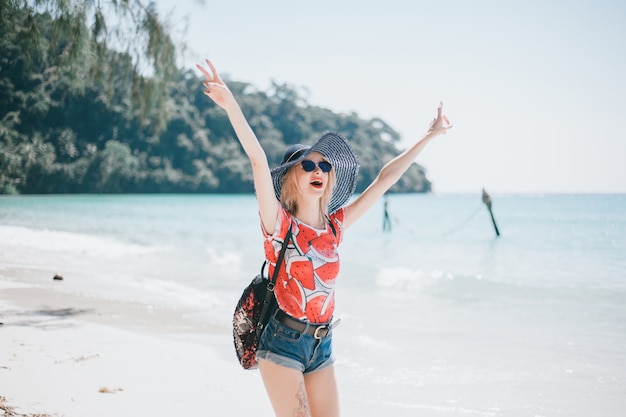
312,182
301,184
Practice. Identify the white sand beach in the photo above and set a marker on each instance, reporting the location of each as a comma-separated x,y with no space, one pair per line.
65,355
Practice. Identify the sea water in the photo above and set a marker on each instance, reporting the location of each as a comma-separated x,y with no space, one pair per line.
440,317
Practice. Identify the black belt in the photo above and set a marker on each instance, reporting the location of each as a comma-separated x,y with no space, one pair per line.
318,331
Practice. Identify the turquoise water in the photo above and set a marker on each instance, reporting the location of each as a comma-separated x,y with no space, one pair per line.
440,317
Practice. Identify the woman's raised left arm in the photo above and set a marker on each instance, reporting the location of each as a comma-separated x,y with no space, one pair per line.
393,170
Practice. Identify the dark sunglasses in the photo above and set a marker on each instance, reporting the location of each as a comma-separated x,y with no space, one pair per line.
309,166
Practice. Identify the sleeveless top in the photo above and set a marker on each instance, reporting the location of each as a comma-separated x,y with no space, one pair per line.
305,286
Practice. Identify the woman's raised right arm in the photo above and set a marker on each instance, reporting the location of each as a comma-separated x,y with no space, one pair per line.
217,90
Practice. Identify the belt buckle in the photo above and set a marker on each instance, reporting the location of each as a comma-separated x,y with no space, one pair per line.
325,329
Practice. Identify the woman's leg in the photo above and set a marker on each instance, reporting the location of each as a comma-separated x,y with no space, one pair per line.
286,389
321,388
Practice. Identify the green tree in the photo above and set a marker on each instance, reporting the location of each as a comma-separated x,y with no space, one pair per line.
58,55
76,36
114,170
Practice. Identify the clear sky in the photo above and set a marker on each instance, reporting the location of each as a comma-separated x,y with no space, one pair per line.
536,90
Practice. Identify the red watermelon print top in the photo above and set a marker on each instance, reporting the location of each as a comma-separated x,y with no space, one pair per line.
305,286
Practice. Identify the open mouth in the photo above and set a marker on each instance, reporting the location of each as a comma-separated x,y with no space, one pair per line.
317,183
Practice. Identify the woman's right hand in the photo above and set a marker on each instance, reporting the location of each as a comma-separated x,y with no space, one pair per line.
214,87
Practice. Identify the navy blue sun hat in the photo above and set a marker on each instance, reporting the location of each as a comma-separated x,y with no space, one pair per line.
336,149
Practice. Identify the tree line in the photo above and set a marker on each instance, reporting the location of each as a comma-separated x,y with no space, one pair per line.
78,115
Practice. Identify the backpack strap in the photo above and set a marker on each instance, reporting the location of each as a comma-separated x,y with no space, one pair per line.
270,298
281,255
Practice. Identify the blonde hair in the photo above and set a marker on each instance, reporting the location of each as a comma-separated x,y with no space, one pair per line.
289,191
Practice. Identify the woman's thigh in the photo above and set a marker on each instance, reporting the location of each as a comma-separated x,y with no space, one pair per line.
286,389
322,392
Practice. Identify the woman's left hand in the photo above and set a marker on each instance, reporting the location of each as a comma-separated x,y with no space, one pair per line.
441,124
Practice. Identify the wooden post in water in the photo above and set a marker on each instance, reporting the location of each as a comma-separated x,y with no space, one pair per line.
487,201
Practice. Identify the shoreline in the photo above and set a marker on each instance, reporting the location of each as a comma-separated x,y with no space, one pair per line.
145,318
66,355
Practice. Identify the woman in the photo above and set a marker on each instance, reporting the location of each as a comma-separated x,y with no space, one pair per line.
306,195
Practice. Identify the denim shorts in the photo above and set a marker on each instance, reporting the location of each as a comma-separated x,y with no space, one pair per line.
289,348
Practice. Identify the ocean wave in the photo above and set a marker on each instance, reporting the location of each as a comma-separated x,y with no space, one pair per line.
407,279
176,293
44,240
407,282
224,258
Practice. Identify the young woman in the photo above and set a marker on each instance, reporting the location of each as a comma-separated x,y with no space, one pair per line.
306,195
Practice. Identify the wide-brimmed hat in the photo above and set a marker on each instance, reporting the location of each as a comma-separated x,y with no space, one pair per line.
338,152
